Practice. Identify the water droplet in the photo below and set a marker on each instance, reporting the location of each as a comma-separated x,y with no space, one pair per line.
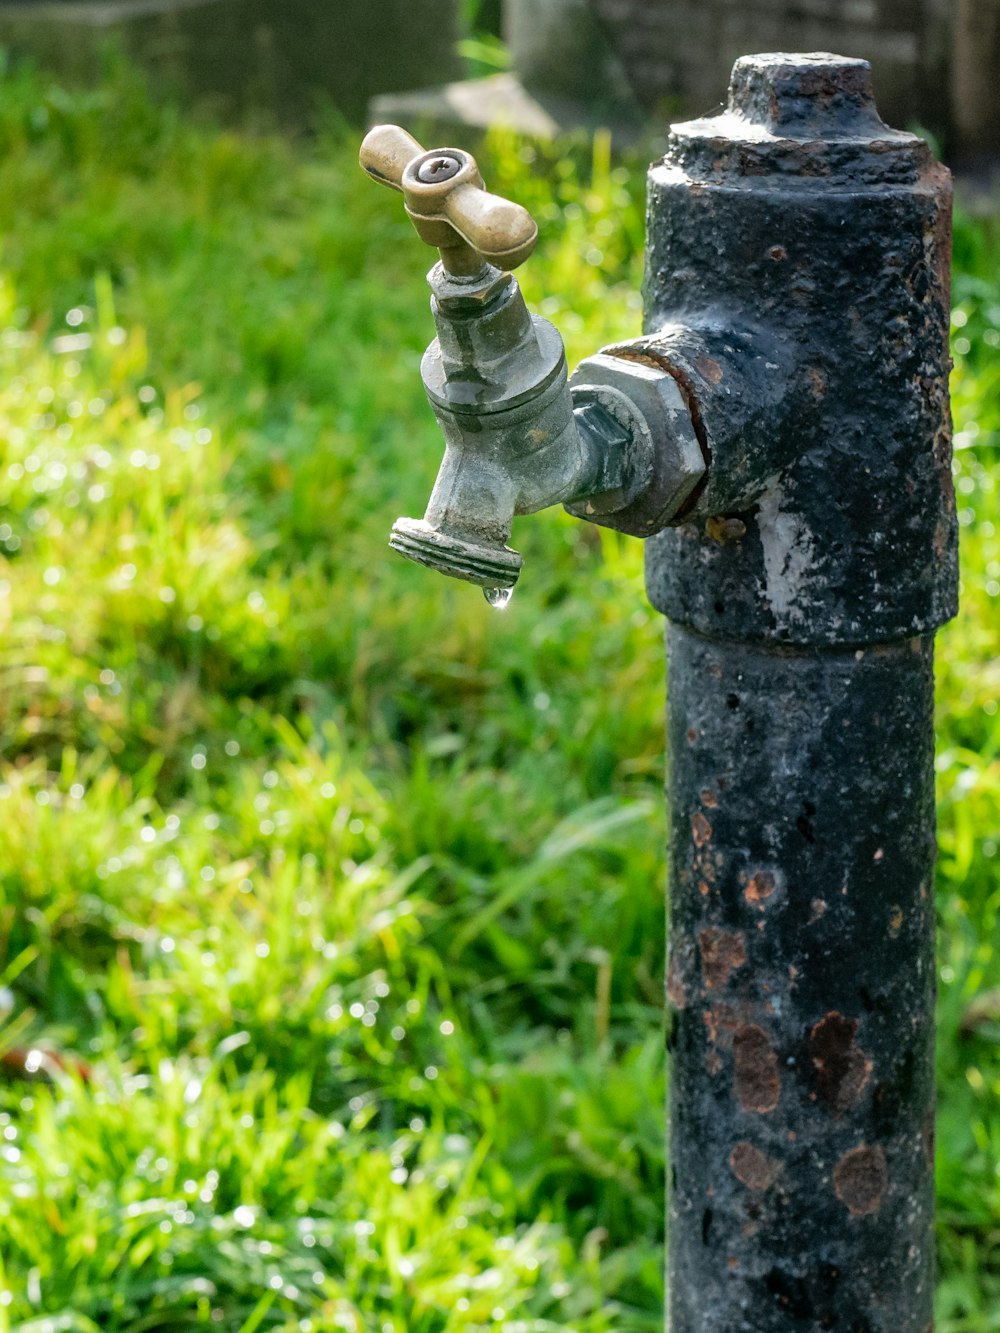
498,597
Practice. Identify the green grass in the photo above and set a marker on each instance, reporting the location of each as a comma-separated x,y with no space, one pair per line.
334,897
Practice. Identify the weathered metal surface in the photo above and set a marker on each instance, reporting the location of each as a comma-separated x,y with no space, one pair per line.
799,215
798,291
801,984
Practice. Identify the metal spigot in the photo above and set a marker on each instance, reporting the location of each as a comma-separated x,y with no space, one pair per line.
517,439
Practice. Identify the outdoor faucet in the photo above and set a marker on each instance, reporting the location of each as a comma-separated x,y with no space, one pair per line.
781,434
615,444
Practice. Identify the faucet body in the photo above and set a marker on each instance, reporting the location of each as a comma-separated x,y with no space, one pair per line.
616,443
781,434
497,382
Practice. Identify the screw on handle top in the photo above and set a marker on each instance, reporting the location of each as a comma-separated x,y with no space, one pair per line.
448,203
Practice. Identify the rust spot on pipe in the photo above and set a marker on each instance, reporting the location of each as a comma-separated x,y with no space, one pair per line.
817,382
723,529
709,798
701,829
760,886
752,1168
722,951
895,921
709,369
675,986
755,1070
860,1179
842,1068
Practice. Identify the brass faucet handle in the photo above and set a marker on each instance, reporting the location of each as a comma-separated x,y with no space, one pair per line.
448,203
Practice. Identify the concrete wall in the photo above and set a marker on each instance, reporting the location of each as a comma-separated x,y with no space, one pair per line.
678,53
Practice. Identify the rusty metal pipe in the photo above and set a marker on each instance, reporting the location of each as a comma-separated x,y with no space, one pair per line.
802,594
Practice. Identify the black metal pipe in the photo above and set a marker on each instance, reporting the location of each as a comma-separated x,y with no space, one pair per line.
803,593
802,975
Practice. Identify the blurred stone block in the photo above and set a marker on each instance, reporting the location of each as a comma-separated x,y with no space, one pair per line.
456,110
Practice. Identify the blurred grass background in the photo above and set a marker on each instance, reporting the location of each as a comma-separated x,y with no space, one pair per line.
330,899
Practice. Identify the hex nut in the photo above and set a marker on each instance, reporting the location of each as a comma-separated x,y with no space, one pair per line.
467,296
673,457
